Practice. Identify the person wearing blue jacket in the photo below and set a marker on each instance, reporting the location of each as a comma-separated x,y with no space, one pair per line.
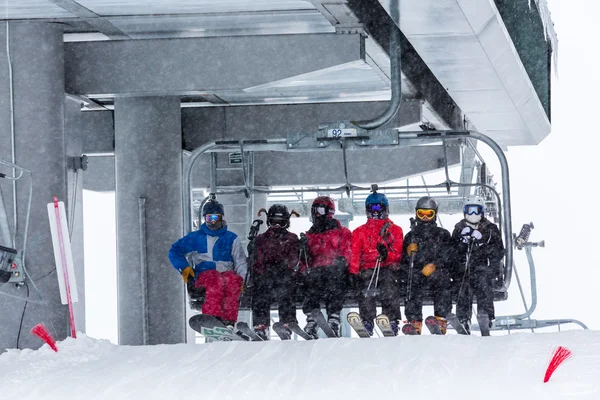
213,259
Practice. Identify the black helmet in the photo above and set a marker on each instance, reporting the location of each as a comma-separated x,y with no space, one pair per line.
213,207
278,214
426,209
427,203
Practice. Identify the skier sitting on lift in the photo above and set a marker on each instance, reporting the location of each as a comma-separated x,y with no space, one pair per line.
426,255
324,258
274,270
479,252
213,258
376,254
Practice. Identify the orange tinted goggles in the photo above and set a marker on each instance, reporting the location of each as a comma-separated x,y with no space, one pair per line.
425,214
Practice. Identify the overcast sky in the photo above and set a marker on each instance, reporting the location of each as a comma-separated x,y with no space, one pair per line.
553,183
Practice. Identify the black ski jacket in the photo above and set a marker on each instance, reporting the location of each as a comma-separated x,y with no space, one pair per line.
434,244
485,252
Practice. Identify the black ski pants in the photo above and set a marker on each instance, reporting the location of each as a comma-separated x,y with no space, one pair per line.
327,284
440,285
475,282
387,289
276,285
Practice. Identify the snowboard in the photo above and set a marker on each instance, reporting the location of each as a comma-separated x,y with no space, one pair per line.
409,329
281,331
383,323
322,322
484,323
213,329
455,323
245,329
356,323
431,323
299,331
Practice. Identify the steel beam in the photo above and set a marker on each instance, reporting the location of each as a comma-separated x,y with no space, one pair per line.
196,66
95,20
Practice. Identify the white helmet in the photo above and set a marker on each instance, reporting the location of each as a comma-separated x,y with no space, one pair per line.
473,208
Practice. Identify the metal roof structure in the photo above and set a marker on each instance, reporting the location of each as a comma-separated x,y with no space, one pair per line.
465,44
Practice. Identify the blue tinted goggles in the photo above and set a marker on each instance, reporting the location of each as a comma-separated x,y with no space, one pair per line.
473,209
213,218
375,207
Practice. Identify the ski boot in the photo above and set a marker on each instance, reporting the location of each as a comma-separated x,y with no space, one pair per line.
395,327
229,324
466,323
262,331
311,328
418,325
196,295
369,326
443,323
334,323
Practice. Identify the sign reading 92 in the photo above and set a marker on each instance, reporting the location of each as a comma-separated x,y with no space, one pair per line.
338,133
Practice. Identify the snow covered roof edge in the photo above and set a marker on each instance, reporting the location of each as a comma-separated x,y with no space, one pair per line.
549,32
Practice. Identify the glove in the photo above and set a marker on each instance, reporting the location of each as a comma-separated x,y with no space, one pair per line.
412,248
428,269
465,235
187,273
304,250
476,234
382,250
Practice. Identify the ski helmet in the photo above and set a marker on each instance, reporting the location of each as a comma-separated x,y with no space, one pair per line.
426,209
322,206
213,213
377,206
473,208
278,214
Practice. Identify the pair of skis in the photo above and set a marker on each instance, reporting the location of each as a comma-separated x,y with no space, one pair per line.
482,319
431,323
382,322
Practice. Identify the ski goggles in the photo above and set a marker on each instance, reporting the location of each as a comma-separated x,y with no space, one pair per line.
378,208
473,209
213,218
425,214
320,210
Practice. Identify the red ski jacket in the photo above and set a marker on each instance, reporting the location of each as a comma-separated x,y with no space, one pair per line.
326,246
364,245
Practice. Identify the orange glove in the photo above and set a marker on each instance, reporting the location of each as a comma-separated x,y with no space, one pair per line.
428,269
412,248
187,273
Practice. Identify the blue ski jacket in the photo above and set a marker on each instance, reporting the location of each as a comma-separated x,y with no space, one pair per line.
206,250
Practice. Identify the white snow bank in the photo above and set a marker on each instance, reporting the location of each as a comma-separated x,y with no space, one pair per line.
503,367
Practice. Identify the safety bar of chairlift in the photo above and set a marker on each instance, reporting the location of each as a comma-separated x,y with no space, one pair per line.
281,145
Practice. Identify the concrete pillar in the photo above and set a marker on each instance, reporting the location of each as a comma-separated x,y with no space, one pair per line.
36,56
148,165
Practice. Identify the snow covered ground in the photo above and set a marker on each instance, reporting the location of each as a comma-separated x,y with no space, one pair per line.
432,367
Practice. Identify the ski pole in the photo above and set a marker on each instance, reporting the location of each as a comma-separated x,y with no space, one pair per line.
467,266
375,275
410,275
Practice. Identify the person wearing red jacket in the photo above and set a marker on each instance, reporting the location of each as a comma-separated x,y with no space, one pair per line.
376,255
324,258
273,271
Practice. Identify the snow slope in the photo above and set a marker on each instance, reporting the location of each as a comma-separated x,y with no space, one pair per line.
501,367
